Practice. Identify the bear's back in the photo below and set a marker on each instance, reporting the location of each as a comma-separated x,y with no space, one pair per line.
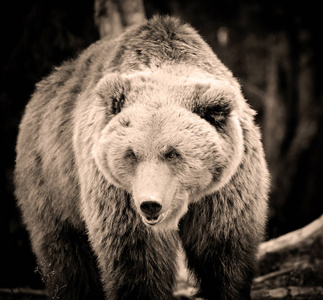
164,40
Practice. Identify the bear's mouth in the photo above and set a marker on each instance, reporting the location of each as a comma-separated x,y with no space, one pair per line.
153,220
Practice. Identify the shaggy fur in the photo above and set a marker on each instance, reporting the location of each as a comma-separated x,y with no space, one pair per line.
152,115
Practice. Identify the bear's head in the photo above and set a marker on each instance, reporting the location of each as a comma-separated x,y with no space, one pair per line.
168,140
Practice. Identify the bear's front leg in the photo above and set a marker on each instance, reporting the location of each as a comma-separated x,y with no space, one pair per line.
135,261
65,261
222,256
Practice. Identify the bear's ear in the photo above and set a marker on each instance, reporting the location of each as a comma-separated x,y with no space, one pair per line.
215,113
215,106
112,90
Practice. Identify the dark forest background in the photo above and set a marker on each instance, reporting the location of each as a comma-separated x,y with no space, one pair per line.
274,47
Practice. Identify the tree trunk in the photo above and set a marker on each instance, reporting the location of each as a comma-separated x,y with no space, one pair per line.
112,17
291,120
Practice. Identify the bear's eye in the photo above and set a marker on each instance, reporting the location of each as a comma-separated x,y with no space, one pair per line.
131,155
171,154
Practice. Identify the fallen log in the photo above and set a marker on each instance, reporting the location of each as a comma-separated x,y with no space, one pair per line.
292,239
291,266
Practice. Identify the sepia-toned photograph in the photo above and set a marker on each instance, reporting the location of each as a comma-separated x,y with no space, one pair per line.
161,150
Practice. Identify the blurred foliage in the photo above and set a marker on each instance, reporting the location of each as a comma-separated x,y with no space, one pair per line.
273,47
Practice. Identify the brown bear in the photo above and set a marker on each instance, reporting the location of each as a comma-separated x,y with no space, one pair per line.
140,146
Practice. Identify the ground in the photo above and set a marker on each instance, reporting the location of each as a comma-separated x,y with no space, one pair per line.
293,270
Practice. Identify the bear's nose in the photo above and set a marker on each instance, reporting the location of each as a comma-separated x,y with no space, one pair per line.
150,207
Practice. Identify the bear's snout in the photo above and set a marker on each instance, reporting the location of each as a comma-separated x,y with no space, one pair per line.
151,212
150,208
153,191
